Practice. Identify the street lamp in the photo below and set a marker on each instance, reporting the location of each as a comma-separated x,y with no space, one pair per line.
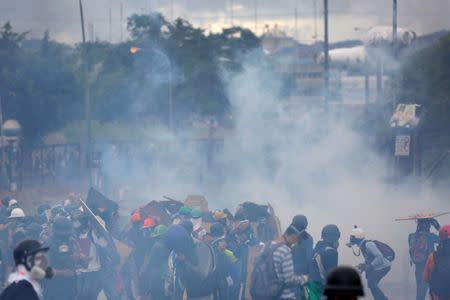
135,50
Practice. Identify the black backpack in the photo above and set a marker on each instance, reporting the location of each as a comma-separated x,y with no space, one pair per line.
440,277
264,283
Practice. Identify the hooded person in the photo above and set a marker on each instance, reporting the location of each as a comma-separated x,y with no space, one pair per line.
64,254
31,260
325,254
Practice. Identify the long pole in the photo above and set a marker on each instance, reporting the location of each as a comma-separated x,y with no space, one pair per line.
87,98
326,63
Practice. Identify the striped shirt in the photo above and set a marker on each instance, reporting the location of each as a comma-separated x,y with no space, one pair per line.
284,268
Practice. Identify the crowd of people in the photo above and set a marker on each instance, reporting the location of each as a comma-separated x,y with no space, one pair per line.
196,254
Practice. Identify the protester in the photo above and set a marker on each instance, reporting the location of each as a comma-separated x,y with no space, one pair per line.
325,254
343,283
64,254
273,274
302,252
31,262
90,268
376,265
155,270
421,244
437,268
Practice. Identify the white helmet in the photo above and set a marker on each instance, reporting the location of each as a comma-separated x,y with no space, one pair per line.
358,233
12,202
17,213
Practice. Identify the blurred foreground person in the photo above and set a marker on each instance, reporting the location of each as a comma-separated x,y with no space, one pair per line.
343,283
437,269
31,267
376,264
421,244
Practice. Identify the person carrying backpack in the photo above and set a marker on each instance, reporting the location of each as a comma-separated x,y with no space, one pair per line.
377,260
437,268
325,254
273,274
421,244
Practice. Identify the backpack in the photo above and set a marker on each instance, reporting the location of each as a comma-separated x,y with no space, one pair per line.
440,277
264,283
418,247
386,250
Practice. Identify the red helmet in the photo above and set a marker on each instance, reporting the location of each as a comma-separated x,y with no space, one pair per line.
149,222
444,232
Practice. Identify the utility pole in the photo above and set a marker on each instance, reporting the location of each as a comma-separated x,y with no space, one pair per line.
315,20
256,17
121,22
296,23
232,13
394,45
87,97
4,176
326,63
171,11
110,24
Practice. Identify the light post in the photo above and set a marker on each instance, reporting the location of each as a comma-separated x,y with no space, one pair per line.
135,50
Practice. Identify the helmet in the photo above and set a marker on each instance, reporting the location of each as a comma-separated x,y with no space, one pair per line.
25,249
219,215
196,213
12,202
300,222
149,222
62,226
17,213
331,232
159,231
358,233
184,211
444,233
136,216
217,230
343,279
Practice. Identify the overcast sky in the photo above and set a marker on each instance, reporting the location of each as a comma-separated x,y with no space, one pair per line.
61,17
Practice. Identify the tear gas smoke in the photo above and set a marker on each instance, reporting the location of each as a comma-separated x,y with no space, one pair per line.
311,163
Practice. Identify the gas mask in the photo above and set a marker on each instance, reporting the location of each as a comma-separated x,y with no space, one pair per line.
38,265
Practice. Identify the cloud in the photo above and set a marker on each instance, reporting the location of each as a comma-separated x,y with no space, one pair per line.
62,17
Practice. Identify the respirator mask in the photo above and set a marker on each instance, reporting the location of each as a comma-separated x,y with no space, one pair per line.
38,266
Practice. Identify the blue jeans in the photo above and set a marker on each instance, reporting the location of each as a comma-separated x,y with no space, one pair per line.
373,280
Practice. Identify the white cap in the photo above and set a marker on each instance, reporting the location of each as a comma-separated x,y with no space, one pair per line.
358,233
17,213
12,202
